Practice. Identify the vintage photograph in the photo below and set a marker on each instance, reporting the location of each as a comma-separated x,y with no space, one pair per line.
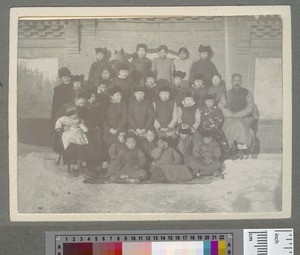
174,116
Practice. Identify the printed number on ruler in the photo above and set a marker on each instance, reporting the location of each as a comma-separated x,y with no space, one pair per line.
268,242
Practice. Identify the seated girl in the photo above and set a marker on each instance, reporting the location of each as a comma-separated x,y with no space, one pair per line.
128,166
165,113
207,156
116,147
218,88
148,144
212,119
115,117
199,89
140,112
168,165
188,112
79,147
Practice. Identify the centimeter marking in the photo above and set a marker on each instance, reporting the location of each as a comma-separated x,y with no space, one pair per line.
268,242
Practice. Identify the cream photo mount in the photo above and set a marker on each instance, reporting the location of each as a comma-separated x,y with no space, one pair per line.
51,13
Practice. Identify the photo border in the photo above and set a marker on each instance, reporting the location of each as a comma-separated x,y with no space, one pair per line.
122,12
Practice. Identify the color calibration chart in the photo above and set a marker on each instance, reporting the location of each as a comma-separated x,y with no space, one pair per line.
206,242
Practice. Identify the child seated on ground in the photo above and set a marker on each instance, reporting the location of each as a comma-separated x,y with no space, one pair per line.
208,156
168,165
140,112
165,113
212,119
124,81
199,89
188,112
116,147
148,144
218,88
128,166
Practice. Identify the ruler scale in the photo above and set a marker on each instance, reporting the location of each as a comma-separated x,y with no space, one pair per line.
202,242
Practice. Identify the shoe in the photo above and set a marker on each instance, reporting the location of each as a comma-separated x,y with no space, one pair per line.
134,180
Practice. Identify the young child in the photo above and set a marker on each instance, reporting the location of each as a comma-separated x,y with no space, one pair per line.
72,132
148,144
208,156
97,67
178,87
212,119
199,89
116,116
124,82
204,66
120,59
78,89
163,66
129,164
106,75
218,88
167,165
140,112
165,111
140,64
188,112
184,64
116,147
152,88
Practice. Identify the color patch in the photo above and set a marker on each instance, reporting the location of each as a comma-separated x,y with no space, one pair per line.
107,248
222,247
177,248
214,247
137,248
78,249
206,247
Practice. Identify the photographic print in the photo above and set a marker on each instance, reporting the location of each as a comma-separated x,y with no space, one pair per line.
148,113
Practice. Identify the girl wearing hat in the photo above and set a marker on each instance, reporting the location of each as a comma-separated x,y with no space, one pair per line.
114,64
151,86
140,112
212,119
199,89
140,64
163,66
184,63
78,89
204,66
124,81
73,134
97,67
178,87
116,116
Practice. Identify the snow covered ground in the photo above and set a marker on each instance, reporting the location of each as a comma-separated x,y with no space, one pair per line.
252,185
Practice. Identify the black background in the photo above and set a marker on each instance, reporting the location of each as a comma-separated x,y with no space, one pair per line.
29,237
